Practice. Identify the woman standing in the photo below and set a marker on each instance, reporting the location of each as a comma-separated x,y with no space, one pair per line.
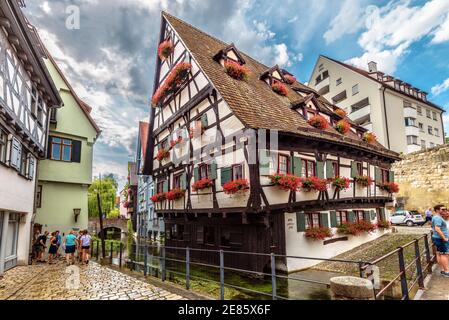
53,248
70,246
85,245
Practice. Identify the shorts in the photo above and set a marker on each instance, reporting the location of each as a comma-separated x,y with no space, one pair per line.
442,247
39,248
70,249
53,250
86,247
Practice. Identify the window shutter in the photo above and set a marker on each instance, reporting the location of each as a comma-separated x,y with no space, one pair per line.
334,222
204,121
31,166
351,216
213,171
264,163
377,175
226,175
354,172
329,170
373,214
366,216
382,214
165,186
196,174
50,140
300,222
324,219
76,151
16,154
296,166
391,176
183,181
320,169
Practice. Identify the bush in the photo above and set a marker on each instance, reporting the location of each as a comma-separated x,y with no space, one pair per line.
319,122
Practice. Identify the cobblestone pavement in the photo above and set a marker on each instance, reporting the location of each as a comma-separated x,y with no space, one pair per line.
51,282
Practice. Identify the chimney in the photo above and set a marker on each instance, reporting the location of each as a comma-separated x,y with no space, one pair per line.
372,66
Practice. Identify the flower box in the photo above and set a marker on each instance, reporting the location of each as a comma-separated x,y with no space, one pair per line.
236,71
369,137
318,233
363,181
162,154
355,228
289,79
390,187
313,184
158,197
175,194
286,182
236,186
279,88
383,225
343,126
175,142
341,183
319,122
165,50
202,184
176,78
342,113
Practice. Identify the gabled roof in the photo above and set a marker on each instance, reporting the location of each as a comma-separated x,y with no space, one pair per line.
144,129
384,83
253,102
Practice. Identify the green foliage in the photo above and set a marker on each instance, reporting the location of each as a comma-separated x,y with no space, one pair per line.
114,214
129,245
107,188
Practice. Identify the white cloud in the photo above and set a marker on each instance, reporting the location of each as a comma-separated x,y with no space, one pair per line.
45,6
442,33
440,88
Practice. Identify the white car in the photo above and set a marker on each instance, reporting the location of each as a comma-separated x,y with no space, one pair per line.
409,218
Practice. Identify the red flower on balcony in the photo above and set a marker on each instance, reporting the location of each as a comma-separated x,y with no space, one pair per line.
319,122
369,137
390,187
286,182
341,183
279,88
175,194
314,184
236,186
236,71
289,79
176,77
126,204
318,233
343,126
342,113
158,197
175,142
165,49
364,181
162,154
202,184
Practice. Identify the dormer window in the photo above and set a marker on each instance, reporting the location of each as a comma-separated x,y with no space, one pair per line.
230,53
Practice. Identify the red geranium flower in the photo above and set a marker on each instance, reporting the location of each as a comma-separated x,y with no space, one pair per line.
364,181
236,70
369,137
342,113
175,194
343,126
318,233
159,197
279,88
165,49
202,184
314,183
319,122
286,182
236,186
289,79
176,77
162,154
390,187
341,183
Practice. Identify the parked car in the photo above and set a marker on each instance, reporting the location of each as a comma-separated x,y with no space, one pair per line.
409,218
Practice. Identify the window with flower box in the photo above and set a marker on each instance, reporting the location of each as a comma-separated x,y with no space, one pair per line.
283,164
308,168
359,215
360,168
177,181
160,186
313,220
342,217
237,172
203,171
385,175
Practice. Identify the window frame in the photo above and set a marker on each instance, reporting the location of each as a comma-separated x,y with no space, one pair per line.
359,168
202,167
305,168
287,163
177,180
39,196
430,130
160,186
336,168
233,169
356,86
3,146
62,145
342,217
310,221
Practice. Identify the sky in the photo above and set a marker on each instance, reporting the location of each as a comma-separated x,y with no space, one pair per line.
109,58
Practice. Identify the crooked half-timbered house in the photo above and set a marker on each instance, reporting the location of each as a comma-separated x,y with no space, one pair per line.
225,128
27,96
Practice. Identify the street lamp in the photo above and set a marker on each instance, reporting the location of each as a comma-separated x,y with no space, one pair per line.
76,213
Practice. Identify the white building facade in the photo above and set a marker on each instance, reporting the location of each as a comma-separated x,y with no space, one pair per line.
399,114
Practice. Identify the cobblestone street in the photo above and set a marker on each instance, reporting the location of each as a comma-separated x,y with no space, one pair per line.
45,282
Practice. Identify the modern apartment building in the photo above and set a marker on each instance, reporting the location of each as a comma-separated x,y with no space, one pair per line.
401,116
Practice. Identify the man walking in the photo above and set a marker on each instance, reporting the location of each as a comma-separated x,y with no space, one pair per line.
440,237
41,244
428,215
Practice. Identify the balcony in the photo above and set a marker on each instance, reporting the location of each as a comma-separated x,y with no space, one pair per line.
323,86
410,113
412,131
360,113
413,148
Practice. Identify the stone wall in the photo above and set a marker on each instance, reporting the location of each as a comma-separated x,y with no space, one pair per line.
423,178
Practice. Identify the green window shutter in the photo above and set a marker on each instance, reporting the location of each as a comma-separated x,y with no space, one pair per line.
382,214
183,181
320,169
334,222
329,170
373,214
391,176
226,175
354,172
351,216
366,216
213,171
377,175
296,166
165,186
196,174
204,120
300,222
264,163
324,219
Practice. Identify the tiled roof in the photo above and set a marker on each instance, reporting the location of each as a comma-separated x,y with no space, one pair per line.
253,101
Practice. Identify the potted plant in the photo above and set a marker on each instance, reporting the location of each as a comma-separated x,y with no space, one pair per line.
383,224
342,113
202,184
175,142
318,233
236,71
236,186
319,122
289,79
158,197
162,154
390,187
348,228
365,226
341,183
313,184
369,137
363,181
176,77
175,194
165,49
286,182
343,126
279,88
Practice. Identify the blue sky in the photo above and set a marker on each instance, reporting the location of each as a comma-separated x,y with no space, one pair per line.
110,59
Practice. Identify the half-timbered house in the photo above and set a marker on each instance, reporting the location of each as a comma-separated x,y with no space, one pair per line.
27,96
225,128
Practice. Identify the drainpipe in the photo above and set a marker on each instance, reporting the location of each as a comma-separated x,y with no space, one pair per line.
442,126
385,113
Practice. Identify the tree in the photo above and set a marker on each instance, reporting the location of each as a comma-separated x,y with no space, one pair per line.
107,188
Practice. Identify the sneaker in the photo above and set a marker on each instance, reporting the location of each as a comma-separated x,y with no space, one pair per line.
445,274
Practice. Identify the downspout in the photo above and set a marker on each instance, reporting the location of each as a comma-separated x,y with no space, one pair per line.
442,127
386,118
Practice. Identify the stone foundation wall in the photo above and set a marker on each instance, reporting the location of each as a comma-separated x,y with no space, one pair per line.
423,178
